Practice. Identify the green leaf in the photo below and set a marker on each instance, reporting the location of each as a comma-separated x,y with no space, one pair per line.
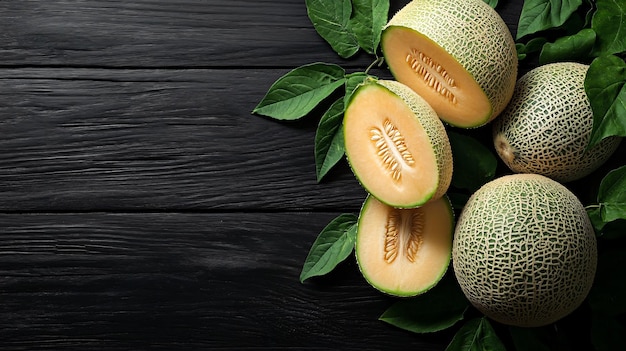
329,146
331,20
609,22
369,17
492,3
476,335
332,246
605,87
299,91
612,195
531,339
575,47
532,46
608,293
607,333
353,80
538,15
437,309
474,164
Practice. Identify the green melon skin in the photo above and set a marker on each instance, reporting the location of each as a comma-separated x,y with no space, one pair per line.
547,125
524,250
475,35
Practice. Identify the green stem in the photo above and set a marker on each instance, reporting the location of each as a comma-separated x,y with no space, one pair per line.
378,62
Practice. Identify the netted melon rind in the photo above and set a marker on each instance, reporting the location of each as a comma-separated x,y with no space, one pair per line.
433,127
547,125
524,250
475,35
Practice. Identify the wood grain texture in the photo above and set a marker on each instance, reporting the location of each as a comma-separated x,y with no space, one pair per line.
189,33
170,281
97,139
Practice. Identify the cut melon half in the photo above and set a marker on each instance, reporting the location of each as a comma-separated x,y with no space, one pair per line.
396,145
457,54
404,252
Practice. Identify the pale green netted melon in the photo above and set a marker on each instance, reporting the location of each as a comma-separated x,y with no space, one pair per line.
524,250
404,252
396,145
457,54
547,125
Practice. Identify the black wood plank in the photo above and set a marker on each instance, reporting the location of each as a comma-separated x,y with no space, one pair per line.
98,139
151,33
179,281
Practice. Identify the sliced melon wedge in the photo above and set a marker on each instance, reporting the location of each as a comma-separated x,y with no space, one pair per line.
396,145
404,252
457,54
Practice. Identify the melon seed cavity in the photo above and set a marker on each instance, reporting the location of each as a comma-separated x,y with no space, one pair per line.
432,73
392,148
413,239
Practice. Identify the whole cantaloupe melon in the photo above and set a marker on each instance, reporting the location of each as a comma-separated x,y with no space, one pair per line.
524,250
547,125
396,145
457,54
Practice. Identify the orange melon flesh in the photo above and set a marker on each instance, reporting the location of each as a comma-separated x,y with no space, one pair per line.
373,109
463,103
429,227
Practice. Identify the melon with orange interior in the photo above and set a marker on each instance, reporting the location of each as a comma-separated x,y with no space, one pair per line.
459,55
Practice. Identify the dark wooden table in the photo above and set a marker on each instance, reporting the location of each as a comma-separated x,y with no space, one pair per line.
142,206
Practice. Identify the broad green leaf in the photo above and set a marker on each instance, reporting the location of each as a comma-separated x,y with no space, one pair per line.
368,19
575,47
332,246
352,82
476,335
437,309
531,339
609,22
532,46
538,15
299,91
492,3
608,293
612,195
605,87
329,146
474,164
607,332
331,20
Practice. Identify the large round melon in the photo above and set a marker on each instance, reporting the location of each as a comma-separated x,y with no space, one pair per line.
524,250
396,145
457,54
547,125
404,252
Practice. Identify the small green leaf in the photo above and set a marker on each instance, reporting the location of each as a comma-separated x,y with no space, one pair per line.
612,195
353,80
474,164
609,22
437,309
605,87
299,91
332,246
369,17
492,3
607,332
331,20
532,46
538,15
476,335
575,47
531,339
329,146
608,293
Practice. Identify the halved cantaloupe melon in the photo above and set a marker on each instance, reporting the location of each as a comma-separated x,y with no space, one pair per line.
404,252
457,54
396,145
